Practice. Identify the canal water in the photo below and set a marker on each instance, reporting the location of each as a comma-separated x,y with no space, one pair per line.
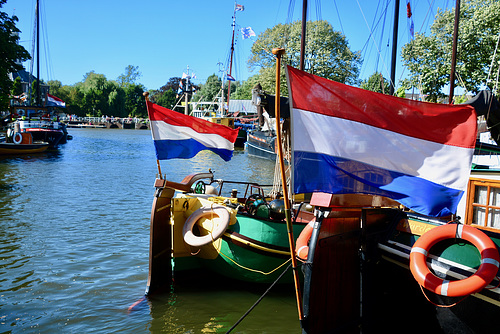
74,238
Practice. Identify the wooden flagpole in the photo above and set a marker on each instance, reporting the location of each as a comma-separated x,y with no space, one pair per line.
146,96
278,52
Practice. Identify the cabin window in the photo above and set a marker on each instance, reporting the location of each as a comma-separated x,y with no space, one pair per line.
373,178
483,203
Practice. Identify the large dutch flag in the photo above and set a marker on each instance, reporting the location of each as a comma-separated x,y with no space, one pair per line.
53,101
181,136
349,140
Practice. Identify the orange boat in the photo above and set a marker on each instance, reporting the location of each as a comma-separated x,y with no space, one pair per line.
22,144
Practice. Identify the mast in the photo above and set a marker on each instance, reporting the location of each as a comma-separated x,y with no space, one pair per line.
454,52
303,36
38,53
231,60
394,47
186,94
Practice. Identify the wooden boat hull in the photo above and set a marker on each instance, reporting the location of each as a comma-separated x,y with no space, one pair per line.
16,149
261,145
253,248
359,276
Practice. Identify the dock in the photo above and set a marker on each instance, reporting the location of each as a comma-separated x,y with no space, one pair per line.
106,123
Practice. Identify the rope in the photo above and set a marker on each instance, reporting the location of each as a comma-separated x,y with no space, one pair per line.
259,300
493,59
255,270
493,288
438,305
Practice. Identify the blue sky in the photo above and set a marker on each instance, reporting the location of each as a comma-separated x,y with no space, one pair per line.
164,37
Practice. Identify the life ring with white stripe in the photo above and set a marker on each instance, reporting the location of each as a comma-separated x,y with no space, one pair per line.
302,244
214,212
17,138
486,272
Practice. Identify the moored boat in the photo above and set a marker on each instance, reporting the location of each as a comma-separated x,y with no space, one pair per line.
261,140
251,245
22,144
463,266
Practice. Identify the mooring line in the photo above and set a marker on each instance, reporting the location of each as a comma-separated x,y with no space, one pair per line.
259,300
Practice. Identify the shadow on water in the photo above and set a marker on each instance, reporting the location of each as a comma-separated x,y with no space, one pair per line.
214,304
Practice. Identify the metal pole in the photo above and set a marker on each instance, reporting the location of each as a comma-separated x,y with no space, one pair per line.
394,48
186,96
454,52
278,52
230,63
303,36
37,54
146,97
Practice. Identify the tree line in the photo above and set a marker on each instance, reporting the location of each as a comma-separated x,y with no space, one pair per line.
328,54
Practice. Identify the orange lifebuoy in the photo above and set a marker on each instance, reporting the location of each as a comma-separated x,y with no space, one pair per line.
484,274
207,212
17,138
302,244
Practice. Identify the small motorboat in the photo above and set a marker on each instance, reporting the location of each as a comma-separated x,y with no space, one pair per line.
22,143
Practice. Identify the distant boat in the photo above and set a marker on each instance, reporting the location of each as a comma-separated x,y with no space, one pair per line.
23,144
261,139
37,118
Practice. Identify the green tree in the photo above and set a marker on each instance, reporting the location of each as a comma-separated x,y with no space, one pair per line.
167,99
116,102
96,90
74,97
376,83
55,87
327,52
244,92
10,53
17,87
166,95
130,76
210,89
428,58
34,92
134,101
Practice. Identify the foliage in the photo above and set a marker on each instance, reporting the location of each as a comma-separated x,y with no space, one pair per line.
166,96
55,87
135,105
17,88
210,89
10,52
401,92
167,99
327,52
130,76
376,83
97,96
244,91
429,57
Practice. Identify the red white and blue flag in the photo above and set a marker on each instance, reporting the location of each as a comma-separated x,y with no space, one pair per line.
182,136
350,140
239,8
247,32
53,101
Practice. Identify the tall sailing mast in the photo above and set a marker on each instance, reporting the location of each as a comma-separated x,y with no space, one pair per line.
394,48
231,58
38,53
454,52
